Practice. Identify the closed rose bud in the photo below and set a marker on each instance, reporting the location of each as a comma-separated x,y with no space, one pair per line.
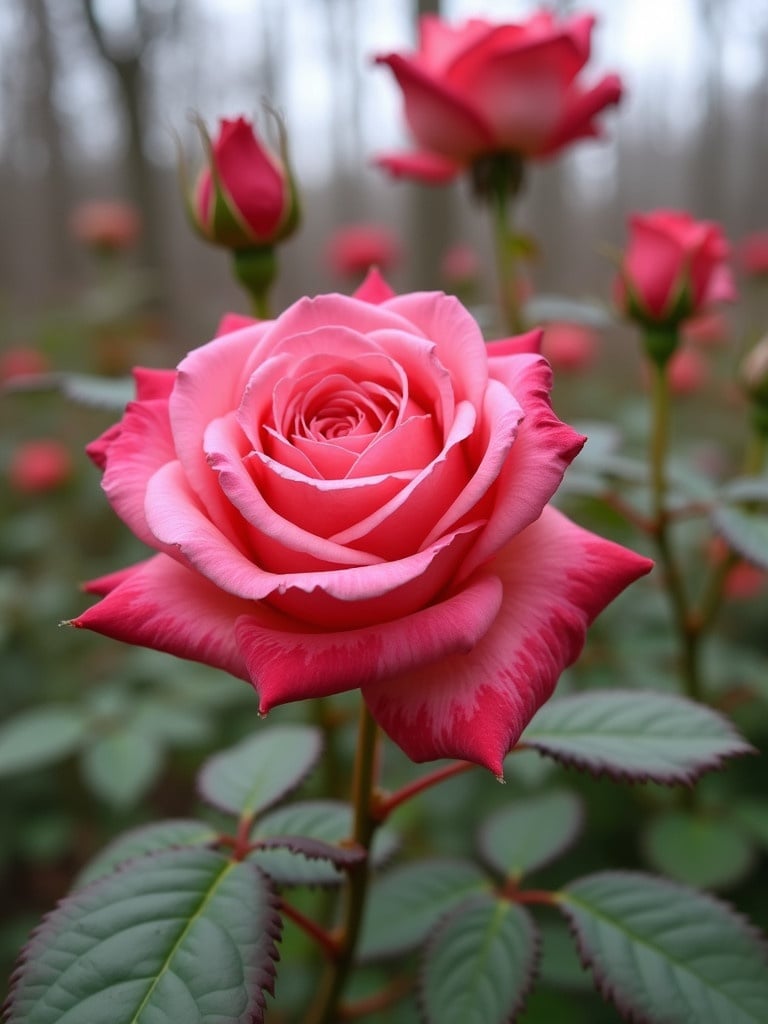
39,466
460,265
673,268
353,249
569,347
245,196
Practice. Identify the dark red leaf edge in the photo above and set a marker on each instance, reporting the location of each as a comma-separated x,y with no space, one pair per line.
315,849
286,791
533,967
566,842
604,988
741,748
118,841
264,982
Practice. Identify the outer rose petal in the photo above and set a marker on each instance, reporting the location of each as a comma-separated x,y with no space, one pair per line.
162,605
557,578
442,121
374,288
294,666
427,167
231,322
520,344
580,108
153,383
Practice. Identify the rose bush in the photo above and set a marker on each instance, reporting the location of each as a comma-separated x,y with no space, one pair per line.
355,495
480,89
674,267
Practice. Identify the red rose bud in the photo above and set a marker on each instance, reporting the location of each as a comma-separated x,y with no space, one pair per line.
245,196
481,89
674,267
39,466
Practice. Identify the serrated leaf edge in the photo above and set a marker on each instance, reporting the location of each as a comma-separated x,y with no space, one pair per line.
605,989
444,921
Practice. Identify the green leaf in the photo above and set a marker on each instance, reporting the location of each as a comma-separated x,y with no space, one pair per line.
544,309
160,835
667,954
39,737
530,833
479,964
260,770
752,815
746,489
329,821
99,392
121,766
406,903
182,935
702,851
634,735
560,965
746,532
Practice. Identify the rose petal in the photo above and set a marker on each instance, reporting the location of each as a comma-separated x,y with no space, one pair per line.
530,342
162,605
580,107
374,288
153,383
430,168
556,578
543,450
231,322
292,666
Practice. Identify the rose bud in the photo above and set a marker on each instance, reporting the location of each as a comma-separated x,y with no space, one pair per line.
39,466
245,196
106,226
352,250
22,361
674,267
482,89
355,496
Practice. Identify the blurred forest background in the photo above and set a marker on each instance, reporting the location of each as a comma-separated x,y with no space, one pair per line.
95,96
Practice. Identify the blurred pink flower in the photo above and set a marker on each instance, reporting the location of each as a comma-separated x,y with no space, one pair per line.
106,225
460,265
22,361
708,330
353,249
483,89
753,254
569,347
688,371
39,466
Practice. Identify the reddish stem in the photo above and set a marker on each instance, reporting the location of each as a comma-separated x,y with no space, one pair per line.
384,804
399,988
323,938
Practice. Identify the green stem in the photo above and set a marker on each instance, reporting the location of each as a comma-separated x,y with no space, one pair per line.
325,1007
260,304
506,261
673,581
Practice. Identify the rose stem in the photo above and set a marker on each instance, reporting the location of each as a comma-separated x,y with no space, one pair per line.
505,183
320,935
324,1008
672,579
385,803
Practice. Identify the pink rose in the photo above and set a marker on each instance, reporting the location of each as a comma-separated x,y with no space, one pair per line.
480,89
673,268
753,254
355,495
570,347
106,225
245,196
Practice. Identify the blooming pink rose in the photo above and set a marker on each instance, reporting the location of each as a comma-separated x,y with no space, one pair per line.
39,466
481,88
673,268
108,225
355,248
355,495
245,196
